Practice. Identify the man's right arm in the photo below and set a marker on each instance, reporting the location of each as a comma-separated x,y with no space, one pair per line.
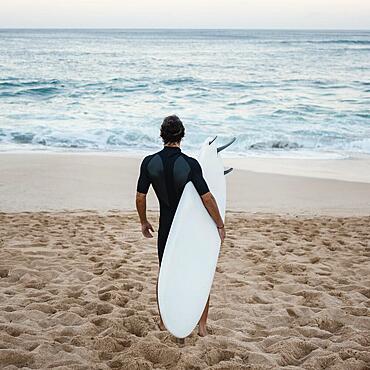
209,202
208,199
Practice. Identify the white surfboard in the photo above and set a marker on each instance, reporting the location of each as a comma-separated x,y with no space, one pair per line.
190,256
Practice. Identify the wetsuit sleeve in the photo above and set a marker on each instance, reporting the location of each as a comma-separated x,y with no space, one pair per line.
198,179
143,182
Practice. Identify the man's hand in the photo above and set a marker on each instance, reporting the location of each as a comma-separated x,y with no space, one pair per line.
141,209
146,227
222,234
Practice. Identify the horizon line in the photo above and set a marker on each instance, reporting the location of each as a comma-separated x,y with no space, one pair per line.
185,28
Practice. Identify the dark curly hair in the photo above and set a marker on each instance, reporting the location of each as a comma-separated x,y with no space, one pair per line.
172,130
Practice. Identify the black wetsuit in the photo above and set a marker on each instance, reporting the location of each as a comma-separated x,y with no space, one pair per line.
169,170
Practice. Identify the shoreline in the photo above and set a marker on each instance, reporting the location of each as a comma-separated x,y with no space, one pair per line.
70,181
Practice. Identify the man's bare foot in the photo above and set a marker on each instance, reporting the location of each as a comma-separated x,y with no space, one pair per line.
161,325
202,330
180,341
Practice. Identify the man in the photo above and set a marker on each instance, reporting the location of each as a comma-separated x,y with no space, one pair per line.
168,171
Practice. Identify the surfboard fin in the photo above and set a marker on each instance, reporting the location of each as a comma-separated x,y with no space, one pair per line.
213,140
219,149
228,171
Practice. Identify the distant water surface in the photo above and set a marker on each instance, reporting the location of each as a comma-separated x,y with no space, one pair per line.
289,93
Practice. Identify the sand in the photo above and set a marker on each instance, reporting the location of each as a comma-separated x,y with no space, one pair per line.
77,291
77,279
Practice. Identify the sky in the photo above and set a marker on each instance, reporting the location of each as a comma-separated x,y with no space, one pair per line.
286,14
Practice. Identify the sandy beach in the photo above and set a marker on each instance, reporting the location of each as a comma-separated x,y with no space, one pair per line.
77,279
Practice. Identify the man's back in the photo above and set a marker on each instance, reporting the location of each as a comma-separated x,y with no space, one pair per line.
169,170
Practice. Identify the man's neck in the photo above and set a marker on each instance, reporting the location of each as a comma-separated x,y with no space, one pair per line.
172,145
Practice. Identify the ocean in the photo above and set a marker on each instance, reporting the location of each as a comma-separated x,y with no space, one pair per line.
281,93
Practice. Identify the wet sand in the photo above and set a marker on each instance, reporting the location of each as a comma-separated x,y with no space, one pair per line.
48,181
